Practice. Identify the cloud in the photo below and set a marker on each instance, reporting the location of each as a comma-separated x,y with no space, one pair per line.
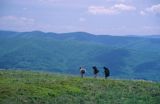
115,9
49,1
24,9
81,19
15,22
151,29
116,1
142,13
154,9
55,1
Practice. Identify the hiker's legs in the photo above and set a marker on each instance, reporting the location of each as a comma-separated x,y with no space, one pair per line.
81,75
95,75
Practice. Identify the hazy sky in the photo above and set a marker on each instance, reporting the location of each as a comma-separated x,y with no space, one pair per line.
114,17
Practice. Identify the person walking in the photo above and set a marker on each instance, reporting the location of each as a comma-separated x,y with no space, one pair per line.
95,71
82,72
106,72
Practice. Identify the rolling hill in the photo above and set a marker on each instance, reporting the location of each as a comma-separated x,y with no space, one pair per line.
28,87
128,57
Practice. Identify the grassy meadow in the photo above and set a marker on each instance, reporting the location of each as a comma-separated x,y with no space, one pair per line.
28,87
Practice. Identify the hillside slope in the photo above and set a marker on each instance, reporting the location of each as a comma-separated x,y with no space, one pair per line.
26,87
128,57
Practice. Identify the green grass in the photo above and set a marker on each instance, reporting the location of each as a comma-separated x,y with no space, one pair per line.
27,87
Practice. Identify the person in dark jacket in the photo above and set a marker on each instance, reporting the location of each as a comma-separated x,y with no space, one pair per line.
95,71
82,71
106,72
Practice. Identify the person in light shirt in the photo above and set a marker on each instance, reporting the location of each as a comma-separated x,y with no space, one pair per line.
82,72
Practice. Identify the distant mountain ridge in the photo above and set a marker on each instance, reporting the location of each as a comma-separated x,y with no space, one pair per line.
130,57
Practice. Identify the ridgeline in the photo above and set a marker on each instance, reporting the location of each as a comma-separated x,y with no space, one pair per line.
27,87
127,57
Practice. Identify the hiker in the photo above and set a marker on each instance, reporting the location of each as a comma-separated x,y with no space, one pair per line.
82,71
106,72
95,71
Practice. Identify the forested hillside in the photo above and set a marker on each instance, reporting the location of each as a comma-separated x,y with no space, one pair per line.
127,56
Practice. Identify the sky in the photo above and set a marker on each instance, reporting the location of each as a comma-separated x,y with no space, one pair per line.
101,17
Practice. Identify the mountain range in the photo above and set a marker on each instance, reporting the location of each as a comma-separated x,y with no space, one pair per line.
129,57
